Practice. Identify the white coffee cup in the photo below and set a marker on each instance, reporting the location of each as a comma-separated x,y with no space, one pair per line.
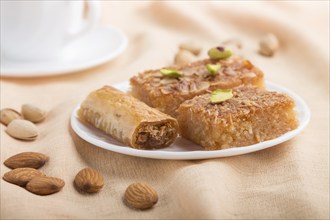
39,30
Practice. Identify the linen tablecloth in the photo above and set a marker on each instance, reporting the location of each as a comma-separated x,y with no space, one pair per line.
289,181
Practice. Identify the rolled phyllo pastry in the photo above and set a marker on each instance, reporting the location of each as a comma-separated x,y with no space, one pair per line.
127,119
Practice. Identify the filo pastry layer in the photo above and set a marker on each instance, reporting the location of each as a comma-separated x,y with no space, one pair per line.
127,119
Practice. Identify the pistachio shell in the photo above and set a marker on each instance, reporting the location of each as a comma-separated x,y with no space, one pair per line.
268,45
33,113
184,57
191,46
7,115
22,129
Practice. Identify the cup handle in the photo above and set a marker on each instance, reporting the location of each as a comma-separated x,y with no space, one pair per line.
93,15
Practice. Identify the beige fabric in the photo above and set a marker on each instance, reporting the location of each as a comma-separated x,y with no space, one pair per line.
287,181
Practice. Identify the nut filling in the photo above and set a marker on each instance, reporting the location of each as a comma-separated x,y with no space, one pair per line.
155,136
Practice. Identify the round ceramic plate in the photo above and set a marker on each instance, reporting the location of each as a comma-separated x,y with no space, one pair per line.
96,47
183,149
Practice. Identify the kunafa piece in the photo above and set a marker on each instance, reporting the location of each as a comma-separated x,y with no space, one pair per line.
127,119
239,117
165,89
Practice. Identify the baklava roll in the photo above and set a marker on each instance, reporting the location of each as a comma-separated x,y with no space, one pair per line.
127,119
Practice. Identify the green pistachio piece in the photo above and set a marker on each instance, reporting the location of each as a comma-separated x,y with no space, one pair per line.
221,95
217,53
171,72
213,68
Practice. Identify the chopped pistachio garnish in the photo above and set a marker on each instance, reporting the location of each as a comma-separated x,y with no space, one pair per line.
213,68
221,95
217,53
171,72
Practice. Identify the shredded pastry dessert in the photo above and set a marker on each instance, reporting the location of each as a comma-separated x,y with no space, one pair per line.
252,115
166,93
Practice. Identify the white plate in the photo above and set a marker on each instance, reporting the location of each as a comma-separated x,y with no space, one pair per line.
92,49
183,149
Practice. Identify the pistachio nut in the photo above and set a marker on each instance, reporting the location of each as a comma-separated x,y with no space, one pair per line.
191,46
171,72
213,68
217,53
183,57
22,129
7,115
268,45
221,95
33,113
233,42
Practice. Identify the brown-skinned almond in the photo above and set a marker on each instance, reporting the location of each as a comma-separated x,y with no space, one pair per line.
21,176
89,180
27,159
140,196
43,185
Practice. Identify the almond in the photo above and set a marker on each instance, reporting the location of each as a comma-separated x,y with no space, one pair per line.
249,75
89,180
166,81
167,90
202,85
43,185
26,159
21,176
140,196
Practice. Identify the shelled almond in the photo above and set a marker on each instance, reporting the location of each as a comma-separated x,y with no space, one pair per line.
89,180
21,176
27,159
44,185
25,173
140,196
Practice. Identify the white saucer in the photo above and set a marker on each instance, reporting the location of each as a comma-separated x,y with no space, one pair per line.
183,149
95,48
